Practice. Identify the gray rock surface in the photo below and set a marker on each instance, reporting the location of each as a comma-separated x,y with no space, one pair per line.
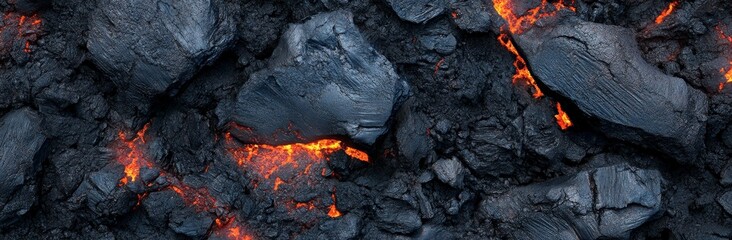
418,11
726,201
606,202
323,79
449,171
397,216
600,69
21,153
149,46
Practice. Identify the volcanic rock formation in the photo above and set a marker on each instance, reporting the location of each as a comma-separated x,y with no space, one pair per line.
323,80
600,69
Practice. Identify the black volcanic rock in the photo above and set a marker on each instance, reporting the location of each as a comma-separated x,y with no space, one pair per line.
147,47
397,216
418,11
21,153
600,69
323,79
606,202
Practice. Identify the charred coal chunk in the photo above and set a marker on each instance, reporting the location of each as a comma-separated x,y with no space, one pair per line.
324,79
607,202
601,70
418,11
21,153
149,46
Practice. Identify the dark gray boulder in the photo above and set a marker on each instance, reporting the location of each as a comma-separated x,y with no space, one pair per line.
418,11
600,69
606,202
149,46
396,216
21,153
323,79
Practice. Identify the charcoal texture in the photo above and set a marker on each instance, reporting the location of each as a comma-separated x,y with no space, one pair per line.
600,69
323,80
21,153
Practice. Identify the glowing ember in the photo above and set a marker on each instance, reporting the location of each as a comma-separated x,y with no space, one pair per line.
727,73
667,11
522,70
235,233
27,28
267,159
131,155
517,23
333,211
562,118
437,66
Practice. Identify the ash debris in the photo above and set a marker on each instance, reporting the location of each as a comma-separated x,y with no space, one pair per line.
374,119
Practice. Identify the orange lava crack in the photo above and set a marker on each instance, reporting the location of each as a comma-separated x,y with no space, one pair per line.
562,118
666,12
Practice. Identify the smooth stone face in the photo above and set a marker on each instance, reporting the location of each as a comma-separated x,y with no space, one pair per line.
149,46
324,79
21,153
600,69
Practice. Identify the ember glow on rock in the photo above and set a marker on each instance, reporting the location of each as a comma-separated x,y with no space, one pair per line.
666,12
27,27
562,118
522,70
518,22
727,72
333,211
131,154
267,159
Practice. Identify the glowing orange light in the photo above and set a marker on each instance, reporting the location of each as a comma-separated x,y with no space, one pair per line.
667,11
727,73
333,211
131,155
277,183
518,22
437,66
27,27
357,154
562,118
267,159
522,70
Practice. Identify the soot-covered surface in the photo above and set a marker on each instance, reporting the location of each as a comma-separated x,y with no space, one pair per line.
373,119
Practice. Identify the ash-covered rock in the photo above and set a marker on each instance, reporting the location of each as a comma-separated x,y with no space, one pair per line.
418,11
601,70
149,47
606,202
21,153
323,79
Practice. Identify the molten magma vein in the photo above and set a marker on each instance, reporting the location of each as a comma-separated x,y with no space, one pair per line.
670,9
562,118
728,72
522,70
28,27
267,159
131,155
518,22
